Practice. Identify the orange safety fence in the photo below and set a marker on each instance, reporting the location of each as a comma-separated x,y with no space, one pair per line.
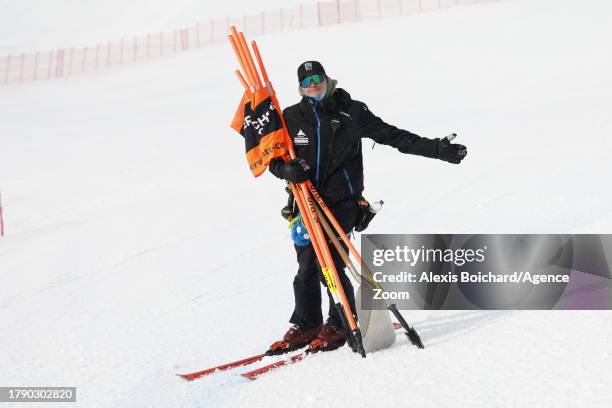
66,62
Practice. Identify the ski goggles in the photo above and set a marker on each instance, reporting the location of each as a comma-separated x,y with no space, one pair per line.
316,78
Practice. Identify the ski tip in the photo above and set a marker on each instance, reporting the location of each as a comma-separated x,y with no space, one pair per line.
187,377
250,376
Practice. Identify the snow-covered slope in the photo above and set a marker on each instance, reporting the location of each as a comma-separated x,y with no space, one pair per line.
138,245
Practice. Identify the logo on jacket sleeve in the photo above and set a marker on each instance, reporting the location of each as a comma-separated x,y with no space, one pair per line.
300,138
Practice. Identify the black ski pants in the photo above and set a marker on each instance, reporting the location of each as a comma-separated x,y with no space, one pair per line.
307,313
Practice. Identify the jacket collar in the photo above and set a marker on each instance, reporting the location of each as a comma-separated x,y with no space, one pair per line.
337,100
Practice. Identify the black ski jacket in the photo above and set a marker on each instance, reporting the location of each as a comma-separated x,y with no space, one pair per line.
328,136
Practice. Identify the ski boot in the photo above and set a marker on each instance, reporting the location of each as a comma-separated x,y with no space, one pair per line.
329,338
294,339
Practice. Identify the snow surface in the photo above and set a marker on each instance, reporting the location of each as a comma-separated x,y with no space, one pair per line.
138,245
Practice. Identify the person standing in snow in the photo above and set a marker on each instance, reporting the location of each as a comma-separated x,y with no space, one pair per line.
326,128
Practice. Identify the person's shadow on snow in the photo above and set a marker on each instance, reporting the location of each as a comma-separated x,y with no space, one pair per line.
434,331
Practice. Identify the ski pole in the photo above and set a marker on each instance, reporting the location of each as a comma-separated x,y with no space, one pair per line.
411,333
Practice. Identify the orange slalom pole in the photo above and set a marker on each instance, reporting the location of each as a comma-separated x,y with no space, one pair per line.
313,225
321,238
335,223
302,206
264,72
336,239
243,51
242,81
262,68
249,57
338,245
240,55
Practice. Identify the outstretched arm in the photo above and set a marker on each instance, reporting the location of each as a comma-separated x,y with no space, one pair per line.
373,127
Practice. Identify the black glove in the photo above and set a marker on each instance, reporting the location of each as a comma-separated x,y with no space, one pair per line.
450,152
295,170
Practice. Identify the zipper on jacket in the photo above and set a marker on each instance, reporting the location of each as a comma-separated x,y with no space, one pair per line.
318,142
348,180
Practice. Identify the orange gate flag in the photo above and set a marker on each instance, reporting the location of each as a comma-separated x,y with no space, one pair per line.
259,122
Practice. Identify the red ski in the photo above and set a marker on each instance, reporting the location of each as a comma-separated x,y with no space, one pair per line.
256,373
224,367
